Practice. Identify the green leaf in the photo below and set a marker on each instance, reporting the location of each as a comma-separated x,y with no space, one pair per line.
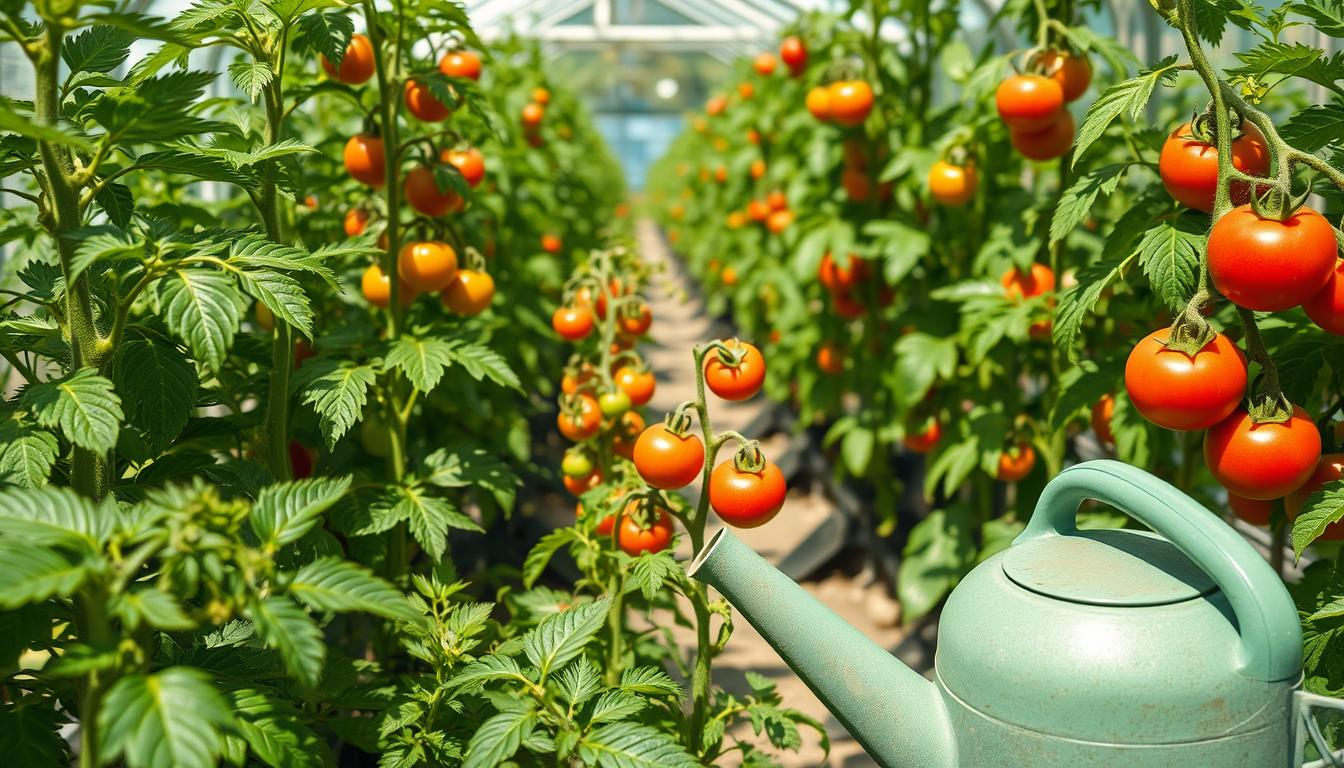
900,245
430,517
486,670
51,515
1315,127
282,295
201,308
156,109
473,468
286,628
422,360
325,33
649,681
542,552
338,392
1170,253
30,732
97,244
334,584
482,362
153,608
27,453
856,449
559,638
117,202
169,719
578,683
1127,96
31,574
921,360
158,387
651,571
83,405
99,48
275,731
190,161
1291,59
286,512
614,706
499,737
630,745
251,77
12,122
1325,15
1321,509
1076,202
940,551
1077,303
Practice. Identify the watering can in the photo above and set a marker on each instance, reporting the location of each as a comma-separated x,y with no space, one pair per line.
1097,648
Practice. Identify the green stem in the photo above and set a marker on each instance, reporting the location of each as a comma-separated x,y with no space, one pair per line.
700,675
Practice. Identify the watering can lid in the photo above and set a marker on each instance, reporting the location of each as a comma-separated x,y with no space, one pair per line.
1107,567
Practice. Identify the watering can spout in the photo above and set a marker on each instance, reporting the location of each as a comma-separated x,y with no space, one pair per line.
897,715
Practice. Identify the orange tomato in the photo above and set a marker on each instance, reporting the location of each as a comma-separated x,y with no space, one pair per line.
464,64
1016,463
427,265
377,288
541,96
532,114
831,359
422,103
1048,143
765,64
423,193
637,384
779,221
469,162
357,64
364,159
1073,73
356,219
470,292
952,185
1017,284
819,103
850,101
551,243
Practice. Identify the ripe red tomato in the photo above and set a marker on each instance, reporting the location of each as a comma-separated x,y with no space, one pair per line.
469,162
469,293
926,439
1253,511
1102,411
364,159
423,193
1189,167
356,219
667,460
745,499
301,459
1175,391
952,185
850,101
639,385
1016,463
1073,73
627,431
1048,143
579,417
793,52
831,359
636,540
819,103
1262,461
551,243
427,265
581,484
357,65
572,323
635,322
1326,308
1270,265
1030,102
834,277
422,103
1017,284
735,382
1329,469
765,64
465,64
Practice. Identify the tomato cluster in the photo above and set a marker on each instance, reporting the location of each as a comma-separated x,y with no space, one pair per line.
1034,105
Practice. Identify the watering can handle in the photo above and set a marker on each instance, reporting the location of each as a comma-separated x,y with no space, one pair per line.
1271,638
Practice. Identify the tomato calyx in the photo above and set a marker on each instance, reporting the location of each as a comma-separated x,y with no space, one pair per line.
1275,204
749,458
1270,408
1190,332
678,422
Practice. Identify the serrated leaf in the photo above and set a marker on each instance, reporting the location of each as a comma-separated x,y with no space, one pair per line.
169,719
1169,254
578,683
1076,202
499,737
614,706
482,362
422,360
158,388
542,552
117,202
12,122
50,515
275,731
99,48
651,570
1077,302
190,161
338,392
1315,127
30,732
282,295
630,745
284,626
104,243
1129,96
1290,59
201,308
285,512
1321,509
1327,17
560,638
83,405
485,670
152,608
31,574
326,33
251,77
27,453
471,468
650,681
334,584
430,517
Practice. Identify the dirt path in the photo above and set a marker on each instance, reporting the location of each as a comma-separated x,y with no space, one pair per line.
681,322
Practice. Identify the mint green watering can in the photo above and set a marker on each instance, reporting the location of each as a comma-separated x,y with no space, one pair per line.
1103,648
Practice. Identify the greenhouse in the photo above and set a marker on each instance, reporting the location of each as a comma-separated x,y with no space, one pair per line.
672,384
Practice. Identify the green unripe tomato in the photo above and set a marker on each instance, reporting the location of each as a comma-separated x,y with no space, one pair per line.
373,436
577,463
613,404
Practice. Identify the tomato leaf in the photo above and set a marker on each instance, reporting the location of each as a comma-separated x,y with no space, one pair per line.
325,33
338,392
283,513
31,574
1128,96
282,295
422,360
276,732
560,638
334,584
541,553
1170,253
471,467
1076,201
251,77
631,745
1314,127
1321,509
158,387
30,732
201,307
284,626
651,571
499,738
83,405
482,362
1077,302
27,453
939,552
170,719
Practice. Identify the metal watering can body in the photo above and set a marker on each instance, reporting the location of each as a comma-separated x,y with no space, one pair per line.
1107,649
